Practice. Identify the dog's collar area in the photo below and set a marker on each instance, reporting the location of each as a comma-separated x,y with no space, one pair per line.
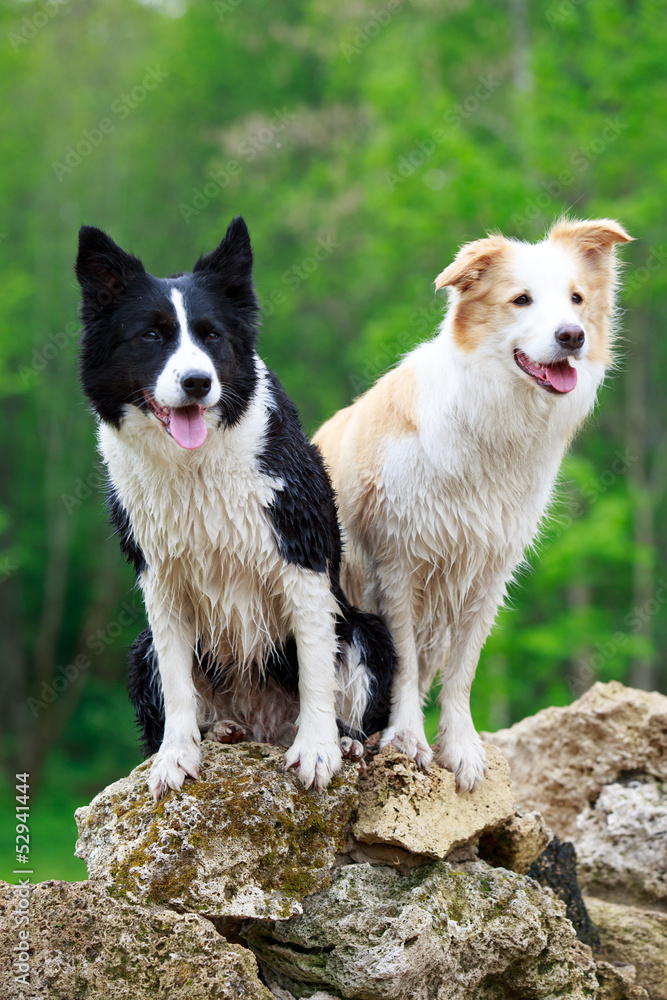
559,377
185,424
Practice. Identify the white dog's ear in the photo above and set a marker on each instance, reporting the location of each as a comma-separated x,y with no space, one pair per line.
595,238
471,262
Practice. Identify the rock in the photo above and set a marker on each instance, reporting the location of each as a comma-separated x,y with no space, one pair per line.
380,854
403,806
281,994
286,872
437,932
561,758
556,868
84,943
618,983
622,844
633,937
245,840
516,843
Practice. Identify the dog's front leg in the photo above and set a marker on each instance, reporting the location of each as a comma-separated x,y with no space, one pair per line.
179,753
459,747
406,719
316,750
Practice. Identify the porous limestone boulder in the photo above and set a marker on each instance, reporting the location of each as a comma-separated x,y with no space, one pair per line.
561,758
437,933
618,982
622,843
85,943
245,840
632,936
281,994
516,843
421,812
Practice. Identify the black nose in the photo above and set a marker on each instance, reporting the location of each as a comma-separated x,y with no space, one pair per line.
196,384
570,337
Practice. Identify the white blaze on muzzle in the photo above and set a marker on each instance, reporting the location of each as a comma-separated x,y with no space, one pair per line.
182,417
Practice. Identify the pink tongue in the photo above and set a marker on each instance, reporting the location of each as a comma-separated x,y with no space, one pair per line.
563,376
187,426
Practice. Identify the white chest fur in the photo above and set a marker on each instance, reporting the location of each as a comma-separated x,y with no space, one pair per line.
465,493
200,519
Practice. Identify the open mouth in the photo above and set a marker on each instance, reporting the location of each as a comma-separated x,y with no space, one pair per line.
184,423
558,377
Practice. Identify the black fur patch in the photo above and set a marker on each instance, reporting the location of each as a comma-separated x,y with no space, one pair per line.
123,529
304,512
283,666
146,691
368,634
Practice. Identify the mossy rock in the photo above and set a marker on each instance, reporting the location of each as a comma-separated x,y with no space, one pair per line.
85,943
245,840
437,933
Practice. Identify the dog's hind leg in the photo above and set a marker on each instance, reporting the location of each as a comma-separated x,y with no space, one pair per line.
366,664
218,717
352,750
226,731
406,719
146,691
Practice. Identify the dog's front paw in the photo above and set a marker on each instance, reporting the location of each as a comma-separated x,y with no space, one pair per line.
410,741
176,759
315,763
464,756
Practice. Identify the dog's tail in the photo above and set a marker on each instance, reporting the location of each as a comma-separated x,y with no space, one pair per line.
367,661
145,690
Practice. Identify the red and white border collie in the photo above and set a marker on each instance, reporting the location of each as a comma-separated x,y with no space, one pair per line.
228,516
444,468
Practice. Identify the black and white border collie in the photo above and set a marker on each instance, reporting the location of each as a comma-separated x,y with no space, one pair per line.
228,516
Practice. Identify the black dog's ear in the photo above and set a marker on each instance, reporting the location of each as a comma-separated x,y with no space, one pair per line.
228,269
230,263
102,268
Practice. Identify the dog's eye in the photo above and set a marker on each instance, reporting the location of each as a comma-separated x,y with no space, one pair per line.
522,300
150,335
577,298
212,335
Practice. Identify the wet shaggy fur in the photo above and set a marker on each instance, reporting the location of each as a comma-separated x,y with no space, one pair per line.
225,511
444,468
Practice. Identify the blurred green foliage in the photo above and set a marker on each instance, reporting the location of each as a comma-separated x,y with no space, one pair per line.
363,143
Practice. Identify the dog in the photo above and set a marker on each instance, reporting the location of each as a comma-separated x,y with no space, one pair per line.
226,512
445,467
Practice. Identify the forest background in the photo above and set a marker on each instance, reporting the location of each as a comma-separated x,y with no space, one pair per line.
363,142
